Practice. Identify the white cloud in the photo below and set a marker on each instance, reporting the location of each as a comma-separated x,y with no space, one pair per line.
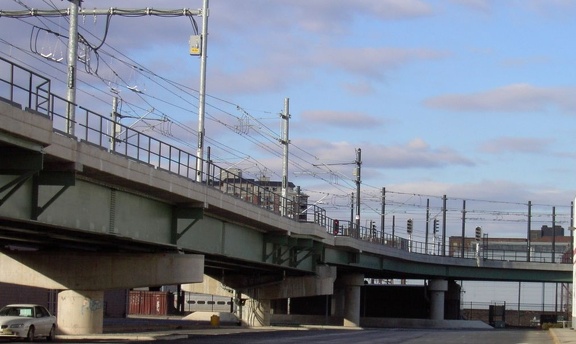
361,88
546,6
511,98
344,119
324,17
397,9
515,144
373,63
413,154
480,5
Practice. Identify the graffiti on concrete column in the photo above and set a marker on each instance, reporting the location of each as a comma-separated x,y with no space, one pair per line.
92,305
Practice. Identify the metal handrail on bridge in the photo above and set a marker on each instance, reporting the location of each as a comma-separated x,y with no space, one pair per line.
21,86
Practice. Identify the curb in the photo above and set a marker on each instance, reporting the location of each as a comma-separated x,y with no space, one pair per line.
554,336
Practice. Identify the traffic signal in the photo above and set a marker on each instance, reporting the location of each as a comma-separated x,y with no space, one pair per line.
478,233
335,227
409,226
436,223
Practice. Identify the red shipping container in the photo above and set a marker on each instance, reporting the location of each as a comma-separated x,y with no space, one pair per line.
148,302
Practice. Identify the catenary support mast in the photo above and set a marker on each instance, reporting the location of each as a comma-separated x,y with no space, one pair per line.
202,95
72,58
358,182
285,141
572,228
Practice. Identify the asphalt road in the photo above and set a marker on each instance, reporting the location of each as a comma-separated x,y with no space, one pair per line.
346,336
372,336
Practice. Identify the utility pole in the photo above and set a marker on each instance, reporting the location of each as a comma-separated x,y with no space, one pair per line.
427,225
553,234
393,230
528,247
202,94
571,224
285,141
463,242
72,57
358,181
350,227
383,216
113,125
444,225
572,228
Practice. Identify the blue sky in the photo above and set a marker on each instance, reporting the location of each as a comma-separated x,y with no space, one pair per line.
473,99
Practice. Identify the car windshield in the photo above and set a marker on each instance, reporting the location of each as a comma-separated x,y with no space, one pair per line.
17,311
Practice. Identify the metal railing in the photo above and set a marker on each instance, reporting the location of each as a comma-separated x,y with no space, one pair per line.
514,306
23,87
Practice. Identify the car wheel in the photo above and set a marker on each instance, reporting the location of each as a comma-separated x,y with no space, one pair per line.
50,336
30,337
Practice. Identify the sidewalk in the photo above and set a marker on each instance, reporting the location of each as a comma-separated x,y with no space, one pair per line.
563,335
155,328
160,335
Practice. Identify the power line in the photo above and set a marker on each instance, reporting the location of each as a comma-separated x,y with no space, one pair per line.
262,138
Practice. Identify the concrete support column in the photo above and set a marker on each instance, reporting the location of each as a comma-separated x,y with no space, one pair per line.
256,313
437,290
80,312
352,284
338,303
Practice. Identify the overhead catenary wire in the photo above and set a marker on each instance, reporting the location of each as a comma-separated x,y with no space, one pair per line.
262,136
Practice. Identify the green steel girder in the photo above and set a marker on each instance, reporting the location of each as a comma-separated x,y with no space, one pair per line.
14,185
50,178
476,272
384,266
293,250
194,214
26,164
20,162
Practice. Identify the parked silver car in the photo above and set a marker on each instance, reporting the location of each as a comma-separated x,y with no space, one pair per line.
26,321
